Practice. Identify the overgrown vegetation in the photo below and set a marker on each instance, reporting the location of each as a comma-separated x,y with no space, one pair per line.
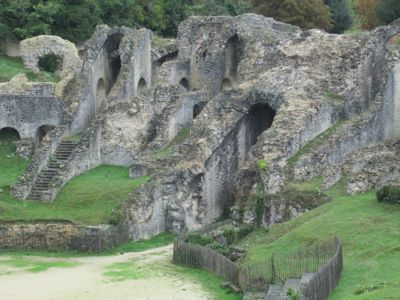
9,67
76,20
369,231
81,200
389,193
49,63
306,14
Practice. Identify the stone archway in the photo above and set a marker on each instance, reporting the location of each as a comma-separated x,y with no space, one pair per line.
226,84
8,133
41,132
185,83
142,85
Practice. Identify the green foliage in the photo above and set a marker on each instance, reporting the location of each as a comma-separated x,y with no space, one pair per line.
198,238
262,165
258,199
244,230
293,295
342,17
76,19
230,234
389,193
49,63
306,14
388,11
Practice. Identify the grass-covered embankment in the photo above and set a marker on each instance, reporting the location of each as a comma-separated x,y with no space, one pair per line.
370,232
88,199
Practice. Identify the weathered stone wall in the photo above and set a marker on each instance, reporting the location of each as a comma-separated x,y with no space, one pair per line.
27,113
33,48
57,236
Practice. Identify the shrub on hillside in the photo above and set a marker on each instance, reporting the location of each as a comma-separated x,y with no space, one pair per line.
341,15
366,10
306,14
199,239
49,63
388,11
389,194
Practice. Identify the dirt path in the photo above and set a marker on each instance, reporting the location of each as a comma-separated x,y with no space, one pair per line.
87,280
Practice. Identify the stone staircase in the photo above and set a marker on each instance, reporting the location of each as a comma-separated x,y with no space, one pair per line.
46,176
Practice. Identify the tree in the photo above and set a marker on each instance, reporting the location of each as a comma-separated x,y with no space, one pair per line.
366,10
306,14
388,11
341,15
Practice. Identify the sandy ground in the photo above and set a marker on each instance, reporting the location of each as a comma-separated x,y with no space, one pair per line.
87,281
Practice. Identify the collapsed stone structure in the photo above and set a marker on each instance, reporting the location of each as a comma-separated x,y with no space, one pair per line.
249,88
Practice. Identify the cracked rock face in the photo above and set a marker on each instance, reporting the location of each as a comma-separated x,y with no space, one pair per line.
331,96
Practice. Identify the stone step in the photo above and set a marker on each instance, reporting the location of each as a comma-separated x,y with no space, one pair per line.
274,292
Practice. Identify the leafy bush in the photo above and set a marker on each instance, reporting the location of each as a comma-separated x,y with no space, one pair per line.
199,239
389,194
258,199
244,230
388,11
229,234
306,14
341,15
49,63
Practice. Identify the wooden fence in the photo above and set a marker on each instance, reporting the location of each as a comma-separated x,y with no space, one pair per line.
284,265
325,260
327,277
205,258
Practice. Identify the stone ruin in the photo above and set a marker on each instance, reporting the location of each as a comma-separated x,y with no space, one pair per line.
248,87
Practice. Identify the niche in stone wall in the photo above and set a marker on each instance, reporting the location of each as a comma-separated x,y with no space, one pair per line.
233,50
226,84
185,83
41,132
9,133
50,63
141,87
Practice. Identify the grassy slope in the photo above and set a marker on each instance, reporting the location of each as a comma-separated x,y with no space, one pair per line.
87,199
370,232
9,67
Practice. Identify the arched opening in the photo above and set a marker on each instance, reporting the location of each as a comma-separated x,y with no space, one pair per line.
50,63
114,65
197,108
232,57
42,131
233,152
141,87
185,83
259,119
101,93
9,134
226,84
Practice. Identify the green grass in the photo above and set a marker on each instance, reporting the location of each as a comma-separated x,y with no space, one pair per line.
74,138
11,165
179,139
125,271
9,67
35,265
87,199
370,232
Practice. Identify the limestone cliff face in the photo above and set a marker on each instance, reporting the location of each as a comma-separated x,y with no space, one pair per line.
273,89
